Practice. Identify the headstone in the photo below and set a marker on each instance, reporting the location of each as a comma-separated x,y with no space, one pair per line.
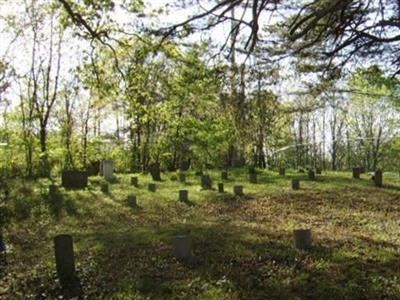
356,172
238,190
108,170
132,202
65,264
318,171
182,177
183,248
74,179
53,191
311,174
282,171
135,181
152,187
378,178
224,175
184,195
253,178
104,187
220,187
184,165
295,184
155,171
302,239
206,182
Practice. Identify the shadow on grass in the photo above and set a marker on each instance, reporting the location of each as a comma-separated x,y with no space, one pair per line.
238,262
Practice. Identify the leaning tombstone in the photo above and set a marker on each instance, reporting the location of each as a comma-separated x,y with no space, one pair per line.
302,239
378,178
183,249
238,190
65,264
224,175
152,187
253,178
356,172
206,182
295,184
184,195
311,174
132,201
74,179
108,170
220,187
282,171
135,181
155,171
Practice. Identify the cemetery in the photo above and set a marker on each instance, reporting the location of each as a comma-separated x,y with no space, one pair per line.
199,150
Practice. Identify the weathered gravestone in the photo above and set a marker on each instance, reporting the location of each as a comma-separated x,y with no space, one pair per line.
311,174
295,184
182,177
135,181
183,249
132,201
108,170
184,165
356,172
206,182
253,178
152,187
220,187
238,190
74,179
184,195
302,239
378,178
282,171
155,171
104,187
65,264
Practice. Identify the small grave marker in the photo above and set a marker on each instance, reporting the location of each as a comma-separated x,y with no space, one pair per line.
302,239
135,181
253,178
220,187
238,190
152,187
206,182
132,201
184,195
183,248
356,172
295,184
378,178
311,174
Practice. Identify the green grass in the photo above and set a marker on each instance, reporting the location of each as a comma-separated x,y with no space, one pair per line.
243,245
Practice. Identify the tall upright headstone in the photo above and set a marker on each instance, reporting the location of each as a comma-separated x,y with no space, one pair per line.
295,184
206,182
108,170
155,171
183,248
65,264
311,174
378,178
184,195
132,201
220,187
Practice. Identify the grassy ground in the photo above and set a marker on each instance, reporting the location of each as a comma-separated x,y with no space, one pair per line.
243,245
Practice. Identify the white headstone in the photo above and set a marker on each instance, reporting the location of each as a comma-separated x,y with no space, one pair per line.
108,170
